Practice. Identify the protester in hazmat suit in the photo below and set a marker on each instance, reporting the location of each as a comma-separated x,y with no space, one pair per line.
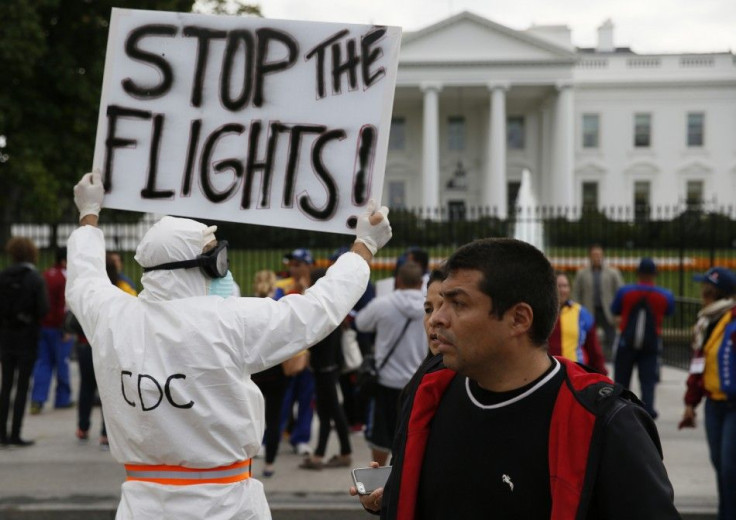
173,365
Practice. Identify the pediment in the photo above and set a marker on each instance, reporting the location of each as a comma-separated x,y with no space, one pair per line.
695,168
645,168
591,169
467,37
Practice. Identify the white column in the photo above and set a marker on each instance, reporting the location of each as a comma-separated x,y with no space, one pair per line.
546,186
431,147
563,149
494,187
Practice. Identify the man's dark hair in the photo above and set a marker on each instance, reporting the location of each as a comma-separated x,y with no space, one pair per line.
419,256
410,275
437,275
513,272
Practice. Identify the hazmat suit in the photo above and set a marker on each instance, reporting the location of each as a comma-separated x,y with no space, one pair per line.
173,365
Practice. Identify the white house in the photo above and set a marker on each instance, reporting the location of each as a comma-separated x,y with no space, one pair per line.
477,103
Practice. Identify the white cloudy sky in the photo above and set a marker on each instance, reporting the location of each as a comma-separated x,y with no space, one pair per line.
647,26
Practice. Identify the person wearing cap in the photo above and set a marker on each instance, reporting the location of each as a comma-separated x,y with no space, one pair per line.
299,262
656,303
173,365
300,388
713,377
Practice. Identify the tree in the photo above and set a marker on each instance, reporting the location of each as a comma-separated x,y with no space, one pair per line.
52,58
234,7
52,55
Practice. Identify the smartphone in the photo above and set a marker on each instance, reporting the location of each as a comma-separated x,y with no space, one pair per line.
367,480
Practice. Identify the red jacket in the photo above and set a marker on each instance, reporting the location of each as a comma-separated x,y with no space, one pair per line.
55,284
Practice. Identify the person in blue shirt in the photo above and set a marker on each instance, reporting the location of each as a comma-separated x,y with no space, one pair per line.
643,352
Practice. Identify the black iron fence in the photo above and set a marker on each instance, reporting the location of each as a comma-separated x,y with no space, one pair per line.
677,333
682,242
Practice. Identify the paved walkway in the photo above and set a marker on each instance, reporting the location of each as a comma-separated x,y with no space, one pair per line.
59,474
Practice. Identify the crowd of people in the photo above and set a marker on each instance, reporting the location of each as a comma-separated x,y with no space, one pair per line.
483,362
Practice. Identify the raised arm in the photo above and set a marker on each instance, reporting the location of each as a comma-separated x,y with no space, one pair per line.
297,321
88,196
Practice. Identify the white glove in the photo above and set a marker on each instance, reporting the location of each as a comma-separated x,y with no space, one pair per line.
373,228
88,194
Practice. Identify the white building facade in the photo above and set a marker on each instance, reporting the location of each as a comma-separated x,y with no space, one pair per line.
477,103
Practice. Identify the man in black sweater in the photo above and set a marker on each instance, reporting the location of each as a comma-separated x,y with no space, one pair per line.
495,428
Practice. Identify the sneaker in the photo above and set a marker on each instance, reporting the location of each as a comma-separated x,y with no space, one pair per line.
339,461
82,435
303,448
70,404
104,444
356,428
268,470
36,408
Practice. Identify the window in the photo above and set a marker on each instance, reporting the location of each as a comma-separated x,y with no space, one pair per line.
515,133
642,130
591,123
590,196
397,194
642,202
456,133
694,195
695,129
459,180
456,210
512,193
397,135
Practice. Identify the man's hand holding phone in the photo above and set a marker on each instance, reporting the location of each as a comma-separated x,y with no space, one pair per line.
369,484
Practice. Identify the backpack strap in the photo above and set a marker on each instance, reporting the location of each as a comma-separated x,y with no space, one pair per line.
578,448
393,347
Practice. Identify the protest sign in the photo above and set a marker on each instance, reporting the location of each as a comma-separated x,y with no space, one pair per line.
244,119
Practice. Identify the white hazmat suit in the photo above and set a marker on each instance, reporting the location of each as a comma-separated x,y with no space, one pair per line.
173,365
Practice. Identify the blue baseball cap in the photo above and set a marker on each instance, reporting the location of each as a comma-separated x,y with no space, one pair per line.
302,255
647,266
720,277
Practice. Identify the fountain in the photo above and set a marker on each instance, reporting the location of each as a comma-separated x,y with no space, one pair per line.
528,227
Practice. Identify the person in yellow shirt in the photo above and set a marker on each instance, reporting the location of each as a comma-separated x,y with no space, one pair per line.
713,376
574,336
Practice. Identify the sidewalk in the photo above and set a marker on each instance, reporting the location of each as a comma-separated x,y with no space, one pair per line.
59,474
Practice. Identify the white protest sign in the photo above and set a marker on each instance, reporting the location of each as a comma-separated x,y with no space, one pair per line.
273,122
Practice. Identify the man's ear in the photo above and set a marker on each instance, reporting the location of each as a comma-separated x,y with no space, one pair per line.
522,317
